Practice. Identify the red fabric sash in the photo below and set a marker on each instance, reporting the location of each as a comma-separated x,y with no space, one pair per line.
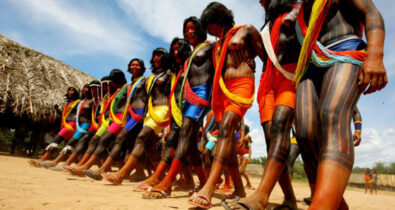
192,98
267,76
218,95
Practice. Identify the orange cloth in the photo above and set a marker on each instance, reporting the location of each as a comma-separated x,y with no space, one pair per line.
282,92
243,87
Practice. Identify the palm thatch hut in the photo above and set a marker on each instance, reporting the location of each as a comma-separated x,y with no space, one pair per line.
31,83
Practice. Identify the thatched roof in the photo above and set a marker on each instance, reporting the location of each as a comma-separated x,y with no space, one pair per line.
31,83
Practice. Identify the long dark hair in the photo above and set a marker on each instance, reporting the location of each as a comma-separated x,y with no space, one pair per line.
117,76
74,96
200,31
164,59
275,8
217,13
88,93
184,51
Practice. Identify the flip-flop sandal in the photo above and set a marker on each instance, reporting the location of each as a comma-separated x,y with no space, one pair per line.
141,187
231,196
76,171
114,181
34,163
68,170
162,192
286,205
237,201
195,195
283,207
92,174
44,164
56,168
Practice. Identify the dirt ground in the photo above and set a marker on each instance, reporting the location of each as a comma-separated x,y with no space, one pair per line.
26,187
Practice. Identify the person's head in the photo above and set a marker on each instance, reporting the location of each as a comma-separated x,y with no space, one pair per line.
373,171
117,78
86,92
246,129
160,60
95,88
180,50
216,17
367,170
275,8
105,84
136,67
72,94
193,31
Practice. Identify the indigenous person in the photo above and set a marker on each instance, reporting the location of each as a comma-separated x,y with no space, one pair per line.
107,93
134,103
83,142
118,88
196,89
375,178
83,122
341,67
156,118
233,91
368,181
67,127
180,50
245,158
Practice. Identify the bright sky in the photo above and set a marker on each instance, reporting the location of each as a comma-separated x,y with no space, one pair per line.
97,36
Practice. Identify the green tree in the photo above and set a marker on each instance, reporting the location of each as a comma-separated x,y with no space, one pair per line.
380,167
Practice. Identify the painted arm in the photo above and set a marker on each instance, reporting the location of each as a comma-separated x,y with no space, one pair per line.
256,41
358,126
372,73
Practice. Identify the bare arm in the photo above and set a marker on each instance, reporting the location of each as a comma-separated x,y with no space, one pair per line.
357,120
372,73
256,42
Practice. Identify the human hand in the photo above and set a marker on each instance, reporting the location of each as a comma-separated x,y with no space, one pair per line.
372,74
356,138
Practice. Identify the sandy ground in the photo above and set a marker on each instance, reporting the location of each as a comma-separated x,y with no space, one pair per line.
26,187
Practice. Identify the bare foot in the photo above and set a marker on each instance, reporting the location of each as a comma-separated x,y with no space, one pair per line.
225,189
158,191
184,186
144,185
114,178
201,199
248,186
136,177
254,201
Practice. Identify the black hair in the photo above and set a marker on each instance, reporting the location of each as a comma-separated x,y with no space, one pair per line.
89,94
74,96
217,13
105,78
117,76
164,59
141,62
184,51
94,82
275,8
246,129
200,31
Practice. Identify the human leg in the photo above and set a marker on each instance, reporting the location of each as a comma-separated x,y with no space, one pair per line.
337,150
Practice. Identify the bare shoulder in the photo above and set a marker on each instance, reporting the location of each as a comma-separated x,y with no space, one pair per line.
250,29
